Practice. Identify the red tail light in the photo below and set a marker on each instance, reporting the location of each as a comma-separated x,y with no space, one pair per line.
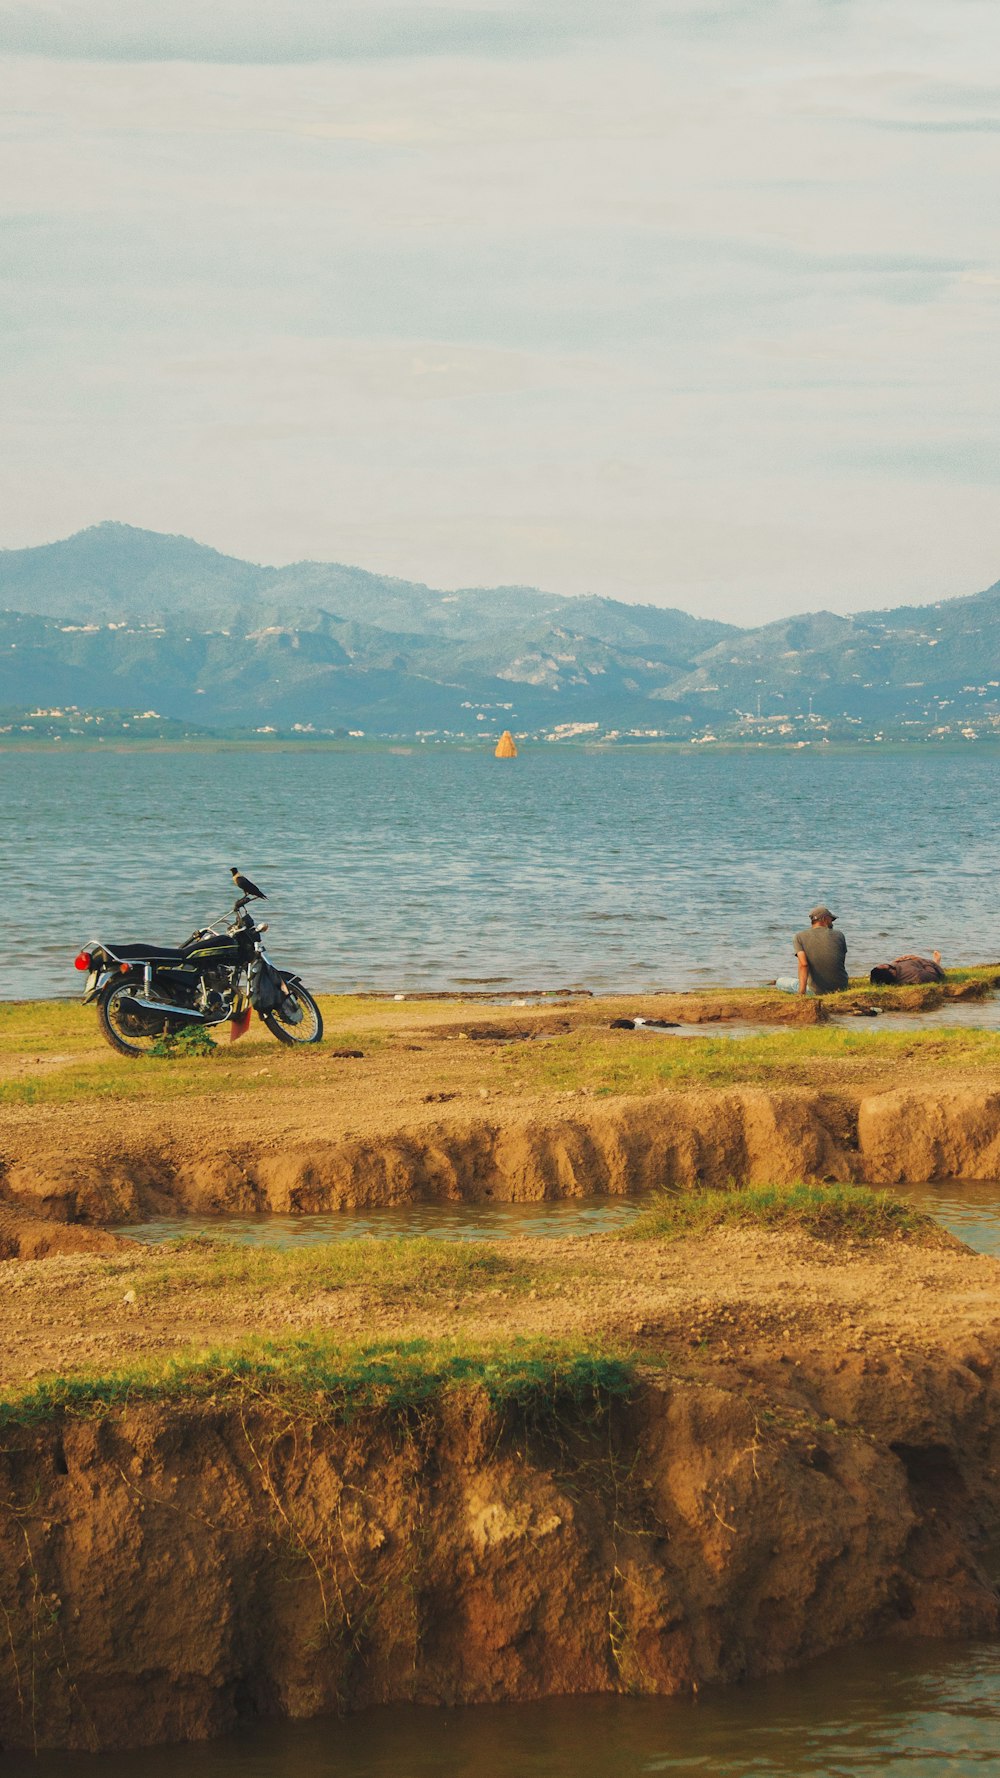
83,961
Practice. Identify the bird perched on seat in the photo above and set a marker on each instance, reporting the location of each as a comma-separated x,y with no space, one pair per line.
245,887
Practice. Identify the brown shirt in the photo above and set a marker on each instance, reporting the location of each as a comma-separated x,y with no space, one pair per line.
910,969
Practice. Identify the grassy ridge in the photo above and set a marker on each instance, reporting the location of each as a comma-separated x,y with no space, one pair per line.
327,1378
321,1374
66,1032
394,1267
828,1212
156,1078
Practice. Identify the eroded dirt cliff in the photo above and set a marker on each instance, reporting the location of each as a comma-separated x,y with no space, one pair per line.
167,1570
163,1161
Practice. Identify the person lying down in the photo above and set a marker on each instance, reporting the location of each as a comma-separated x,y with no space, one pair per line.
906,971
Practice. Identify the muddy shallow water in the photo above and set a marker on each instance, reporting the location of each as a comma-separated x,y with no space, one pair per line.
925,1711
969,1210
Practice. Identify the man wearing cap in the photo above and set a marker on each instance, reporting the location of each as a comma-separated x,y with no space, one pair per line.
820,954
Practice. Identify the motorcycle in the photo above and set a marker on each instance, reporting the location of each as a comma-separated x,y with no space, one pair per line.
146,994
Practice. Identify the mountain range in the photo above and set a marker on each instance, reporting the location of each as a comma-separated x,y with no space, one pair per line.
116,618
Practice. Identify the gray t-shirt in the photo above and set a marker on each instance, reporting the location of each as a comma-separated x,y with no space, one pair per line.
825,951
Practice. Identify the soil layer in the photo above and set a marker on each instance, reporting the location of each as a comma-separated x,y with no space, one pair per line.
287,1156
417,1102
808,1454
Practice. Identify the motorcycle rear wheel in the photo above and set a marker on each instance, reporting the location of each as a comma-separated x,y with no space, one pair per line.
131,1029
310,1027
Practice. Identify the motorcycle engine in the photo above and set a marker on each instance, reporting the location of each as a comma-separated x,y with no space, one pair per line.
212,995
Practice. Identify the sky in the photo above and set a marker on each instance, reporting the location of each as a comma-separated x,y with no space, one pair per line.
695,304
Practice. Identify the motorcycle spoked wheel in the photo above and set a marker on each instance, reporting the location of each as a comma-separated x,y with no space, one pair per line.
306,1028
131,1029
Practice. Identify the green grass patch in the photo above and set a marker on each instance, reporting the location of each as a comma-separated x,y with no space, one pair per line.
188,1041
828,1212
326,1379
645,1061
983,974
46,1027
409,1266
986,974
64,1035
147,1077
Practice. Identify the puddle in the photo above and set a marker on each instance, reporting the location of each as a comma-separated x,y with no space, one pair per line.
969,1209
955,1015
972,1212
552,1218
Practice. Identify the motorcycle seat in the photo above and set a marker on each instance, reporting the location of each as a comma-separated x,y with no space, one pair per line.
143,953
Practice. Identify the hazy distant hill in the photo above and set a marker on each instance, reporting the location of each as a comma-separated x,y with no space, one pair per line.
115,571
120,618
119,572
912,658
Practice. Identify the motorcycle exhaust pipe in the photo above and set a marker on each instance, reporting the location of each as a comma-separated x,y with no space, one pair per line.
179,1012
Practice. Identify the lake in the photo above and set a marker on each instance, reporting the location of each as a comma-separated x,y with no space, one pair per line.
432,867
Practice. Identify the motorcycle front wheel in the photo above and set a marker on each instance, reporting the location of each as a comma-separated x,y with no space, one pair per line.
306,1027
132,1029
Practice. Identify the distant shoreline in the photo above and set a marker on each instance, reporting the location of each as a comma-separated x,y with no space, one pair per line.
405,745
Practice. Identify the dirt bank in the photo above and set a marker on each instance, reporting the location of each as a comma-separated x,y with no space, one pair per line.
38,1237
168,1571
795,1443
409,1102
207,1156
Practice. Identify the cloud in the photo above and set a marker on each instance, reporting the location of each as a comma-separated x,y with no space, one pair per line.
262,31
409,284
967,462
955,126
302,375
901,99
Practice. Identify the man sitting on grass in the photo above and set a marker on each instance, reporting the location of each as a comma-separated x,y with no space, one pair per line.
820,954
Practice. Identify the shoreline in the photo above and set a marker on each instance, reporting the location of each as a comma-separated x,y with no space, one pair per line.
964,981
527,744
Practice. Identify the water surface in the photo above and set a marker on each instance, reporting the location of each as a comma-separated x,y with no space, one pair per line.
971,1211
439,868
917,1711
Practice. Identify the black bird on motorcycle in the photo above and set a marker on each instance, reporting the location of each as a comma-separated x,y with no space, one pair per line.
245,887
147,994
